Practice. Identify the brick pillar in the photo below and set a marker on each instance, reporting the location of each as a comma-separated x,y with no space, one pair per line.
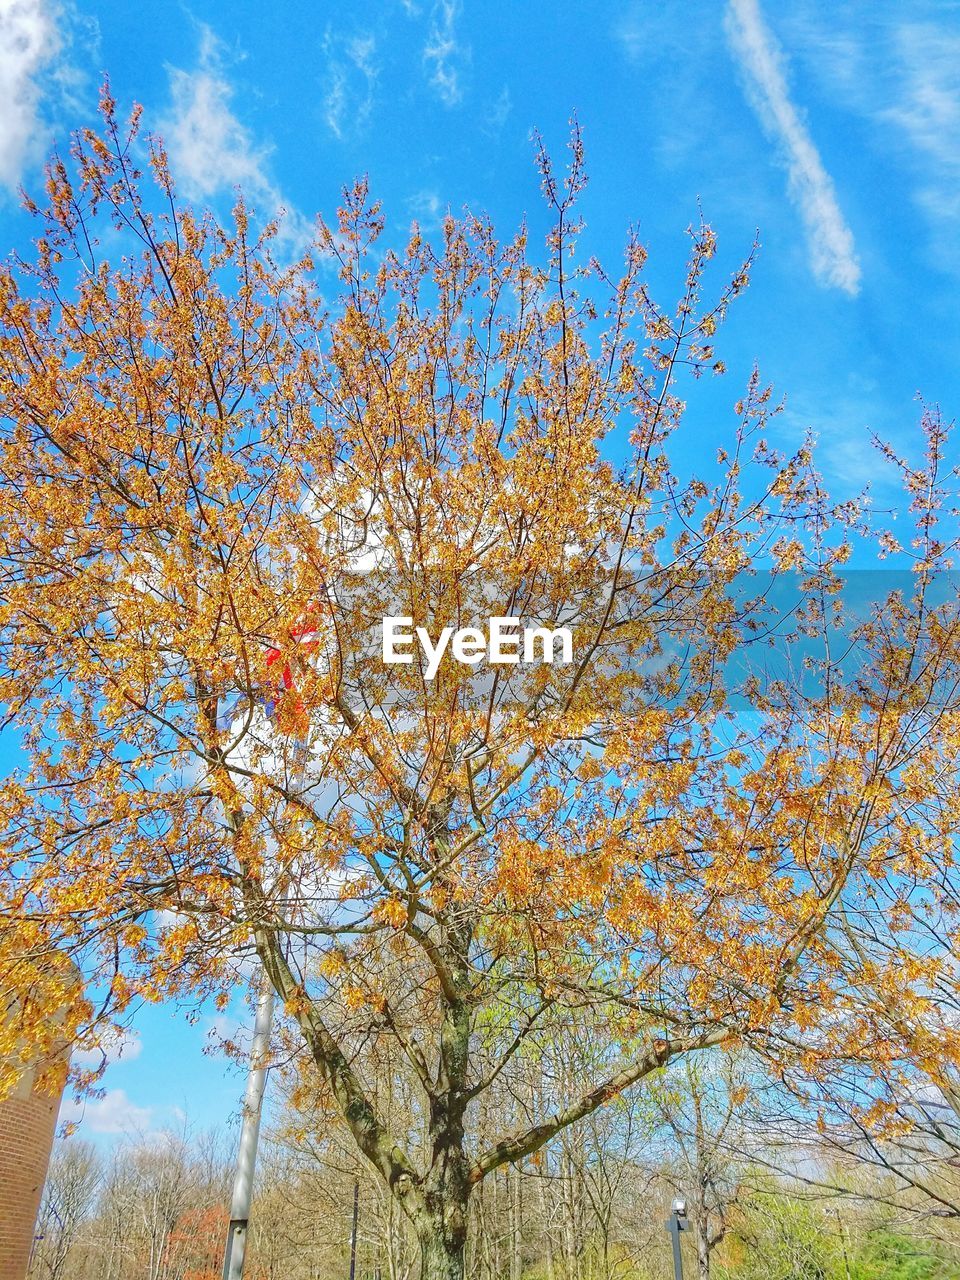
28,1119
28,1115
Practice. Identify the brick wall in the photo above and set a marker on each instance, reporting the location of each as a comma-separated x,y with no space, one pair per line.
27,1122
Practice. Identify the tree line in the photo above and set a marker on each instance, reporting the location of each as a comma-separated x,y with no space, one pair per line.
764,1202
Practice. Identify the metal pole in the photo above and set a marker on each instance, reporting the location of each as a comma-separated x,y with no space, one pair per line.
353,1231
676,1223
249,1135
674,1227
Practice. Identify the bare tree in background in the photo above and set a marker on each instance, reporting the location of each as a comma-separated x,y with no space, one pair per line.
69,1196
700,1105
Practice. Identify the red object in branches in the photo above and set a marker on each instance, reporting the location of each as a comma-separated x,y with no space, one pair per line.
302,632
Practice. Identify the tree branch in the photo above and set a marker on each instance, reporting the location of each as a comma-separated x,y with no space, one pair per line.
658,1053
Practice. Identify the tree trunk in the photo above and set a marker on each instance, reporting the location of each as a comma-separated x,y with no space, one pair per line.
547,1226
703,1250
441,1252
516,1226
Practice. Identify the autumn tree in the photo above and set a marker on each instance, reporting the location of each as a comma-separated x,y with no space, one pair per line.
216,482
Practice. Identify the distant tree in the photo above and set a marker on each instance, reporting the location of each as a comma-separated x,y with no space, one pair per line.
213,488
701,1107
194,1249
69,1198
781,1235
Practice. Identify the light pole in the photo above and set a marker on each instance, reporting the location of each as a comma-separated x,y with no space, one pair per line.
249,1135
676,1223
236,1246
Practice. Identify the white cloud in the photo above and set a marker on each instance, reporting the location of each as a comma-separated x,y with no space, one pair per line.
209,147
335,100
443,52
30,41
120,1047
901,78
832,250
227,1026
211,150
360,51
114,1113
632,30
352,74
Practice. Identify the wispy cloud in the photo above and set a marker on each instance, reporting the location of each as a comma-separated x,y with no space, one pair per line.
209,147
352,75
444,53
30,41
926,107
900,77
335,99
632,31
832,250
426,209
843,422
499,112
211,150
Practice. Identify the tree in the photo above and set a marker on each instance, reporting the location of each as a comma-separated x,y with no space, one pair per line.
701,1110
783,1235
214,487
149,1207
69,1194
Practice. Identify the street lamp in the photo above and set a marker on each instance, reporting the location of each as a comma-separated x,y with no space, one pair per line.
676,1223
242,1194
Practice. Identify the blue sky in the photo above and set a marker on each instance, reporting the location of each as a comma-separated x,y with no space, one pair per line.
834,129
